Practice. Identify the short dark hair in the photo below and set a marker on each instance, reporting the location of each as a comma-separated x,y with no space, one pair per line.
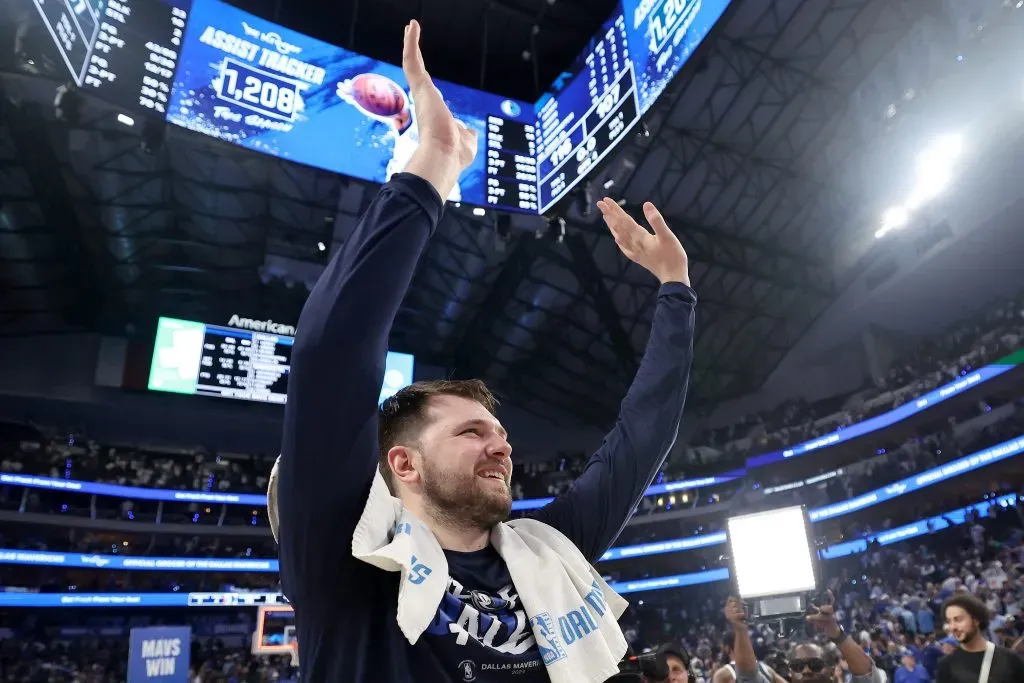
970,604
404,415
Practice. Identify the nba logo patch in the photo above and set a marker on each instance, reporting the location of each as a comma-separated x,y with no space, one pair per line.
547,640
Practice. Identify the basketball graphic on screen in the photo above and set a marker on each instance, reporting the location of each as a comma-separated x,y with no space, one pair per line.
378,95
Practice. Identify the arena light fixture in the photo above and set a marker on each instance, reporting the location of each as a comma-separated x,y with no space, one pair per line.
934,173
775,589
894,218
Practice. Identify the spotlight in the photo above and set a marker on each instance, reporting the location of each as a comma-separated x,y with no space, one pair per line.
894,218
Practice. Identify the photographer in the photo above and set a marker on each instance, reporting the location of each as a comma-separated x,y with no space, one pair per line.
743,667
807,662
670,664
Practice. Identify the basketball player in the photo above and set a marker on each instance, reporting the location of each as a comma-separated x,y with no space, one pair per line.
439,445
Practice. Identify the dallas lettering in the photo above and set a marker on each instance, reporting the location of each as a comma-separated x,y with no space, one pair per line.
579,622
159,655
506,630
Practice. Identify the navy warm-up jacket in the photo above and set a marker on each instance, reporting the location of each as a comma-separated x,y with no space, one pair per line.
345,609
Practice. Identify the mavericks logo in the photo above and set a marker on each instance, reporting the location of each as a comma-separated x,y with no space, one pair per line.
262,326
487,603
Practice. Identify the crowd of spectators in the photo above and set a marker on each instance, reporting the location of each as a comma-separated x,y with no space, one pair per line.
972,428
964,347
888,598
105,660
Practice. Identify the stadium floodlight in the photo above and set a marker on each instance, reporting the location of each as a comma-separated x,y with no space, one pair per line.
944,151
774,561
894,218
935,167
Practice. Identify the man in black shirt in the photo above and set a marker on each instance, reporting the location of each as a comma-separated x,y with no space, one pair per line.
967,619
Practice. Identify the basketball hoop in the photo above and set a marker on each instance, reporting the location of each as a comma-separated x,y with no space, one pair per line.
295,653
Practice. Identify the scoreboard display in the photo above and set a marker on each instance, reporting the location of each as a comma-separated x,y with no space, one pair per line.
195,358
123,51
135,54
73,25
215,69
580,124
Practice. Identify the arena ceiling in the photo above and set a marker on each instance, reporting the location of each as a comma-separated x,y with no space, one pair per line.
739,152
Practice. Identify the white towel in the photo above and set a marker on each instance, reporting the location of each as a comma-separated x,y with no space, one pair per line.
573,612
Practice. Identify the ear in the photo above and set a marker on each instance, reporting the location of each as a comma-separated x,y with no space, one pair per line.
402,461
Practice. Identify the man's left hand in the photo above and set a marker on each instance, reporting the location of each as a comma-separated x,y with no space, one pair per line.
823,617
660,253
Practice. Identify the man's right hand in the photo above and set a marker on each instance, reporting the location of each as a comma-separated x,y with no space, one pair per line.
446,146
735,611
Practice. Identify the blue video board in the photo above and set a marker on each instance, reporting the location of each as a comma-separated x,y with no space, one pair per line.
662,35
220,71
591,107
262,86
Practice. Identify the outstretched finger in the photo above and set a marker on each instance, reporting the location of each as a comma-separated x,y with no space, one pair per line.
609,219
412,58
656,220
616,212
618,220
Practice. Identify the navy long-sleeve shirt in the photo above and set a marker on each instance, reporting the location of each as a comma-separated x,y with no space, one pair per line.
345,610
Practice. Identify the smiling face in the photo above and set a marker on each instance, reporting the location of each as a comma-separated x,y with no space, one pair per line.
962,625
461,464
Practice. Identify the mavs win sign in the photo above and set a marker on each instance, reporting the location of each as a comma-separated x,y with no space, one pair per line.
159,654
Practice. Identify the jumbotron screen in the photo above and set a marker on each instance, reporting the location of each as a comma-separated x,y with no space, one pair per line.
215,69
251,362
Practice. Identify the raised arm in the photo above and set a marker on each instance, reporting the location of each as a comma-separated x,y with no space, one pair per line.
329,444
594,510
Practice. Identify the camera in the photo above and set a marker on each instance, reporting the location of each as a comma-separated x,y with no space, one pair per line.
645,668
651,667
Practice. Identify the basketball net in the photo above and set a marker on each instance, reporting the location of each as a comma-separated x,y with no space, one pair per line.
295,653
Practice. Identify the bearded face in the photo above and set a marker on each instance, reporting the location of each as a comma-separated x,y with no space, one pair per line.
479,497
464,462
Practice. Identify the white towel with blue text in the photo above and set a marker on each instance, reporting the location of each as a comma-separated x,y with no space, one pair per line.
560,591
